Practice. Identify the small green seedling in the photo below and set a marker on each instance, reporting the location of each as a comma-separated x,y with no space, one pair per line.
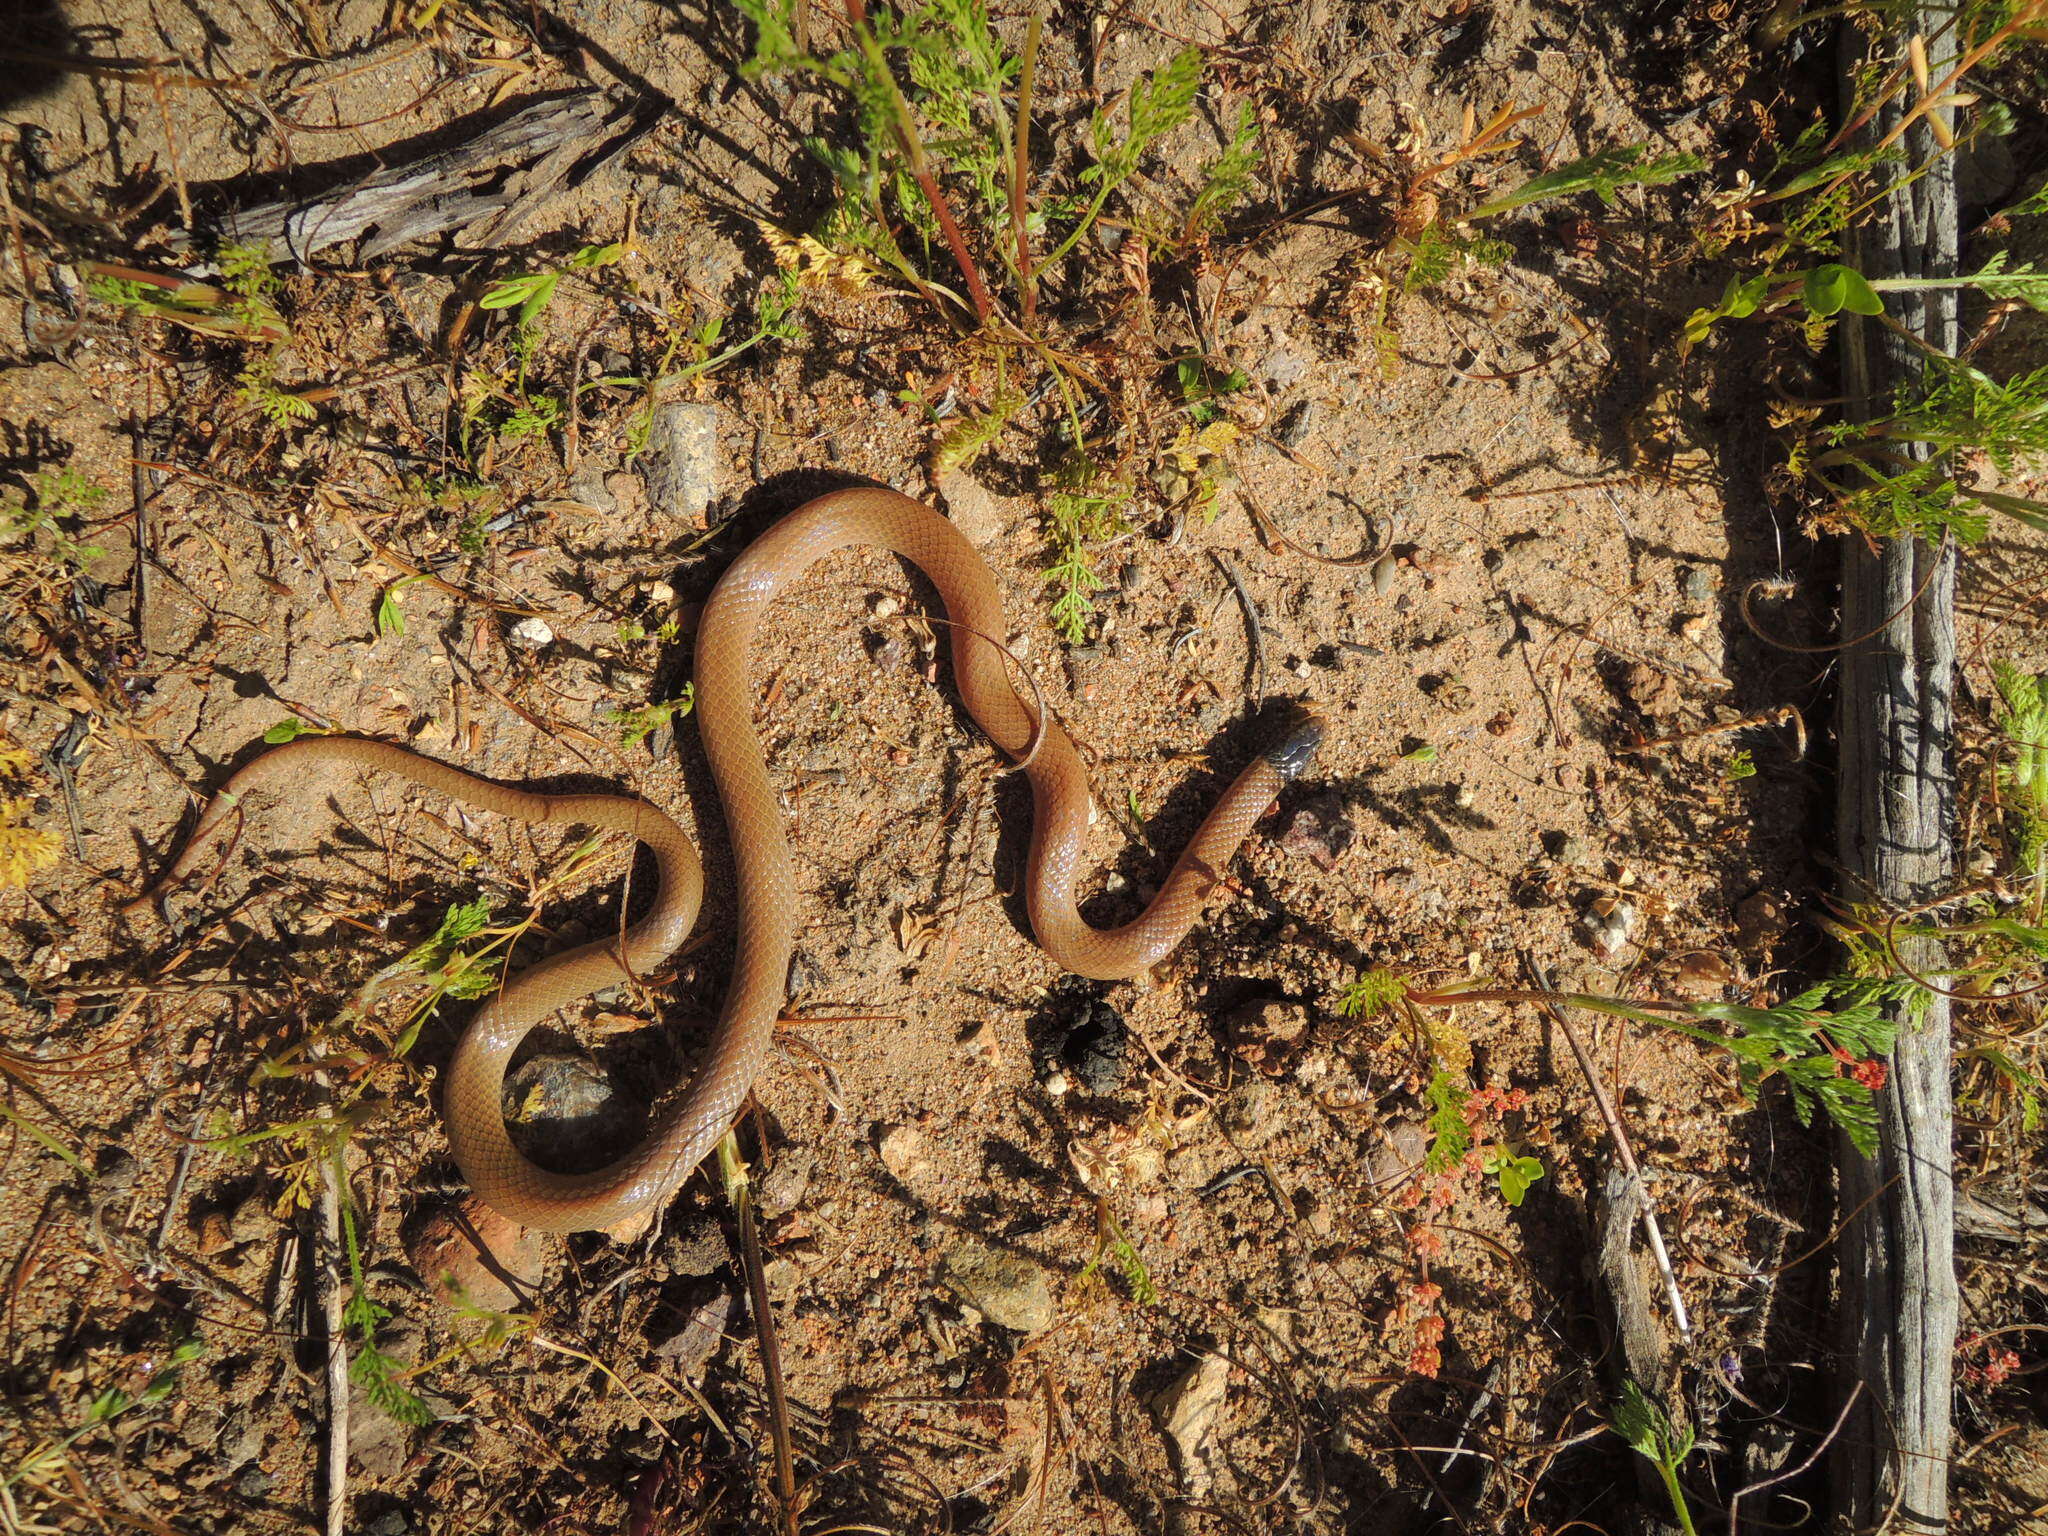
391,617
1648,1431
1513,1175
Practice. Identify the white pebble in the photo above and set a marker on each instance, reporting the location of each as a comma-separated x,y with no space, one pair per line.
531,634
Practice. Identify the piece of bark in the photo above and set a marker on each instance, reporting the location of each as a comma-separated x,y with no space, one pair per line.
1895,845
484,186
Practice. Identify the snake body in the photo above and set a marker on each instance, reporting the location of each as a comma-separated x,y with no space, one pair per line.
765,880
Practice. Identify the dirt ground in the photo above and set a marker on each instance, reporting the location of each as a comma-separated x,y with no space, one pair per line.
1042,1254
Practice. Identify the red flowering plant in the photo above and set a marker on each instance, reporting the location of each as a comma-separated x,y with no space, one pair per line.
1463,1145
1995,1368
1827,1045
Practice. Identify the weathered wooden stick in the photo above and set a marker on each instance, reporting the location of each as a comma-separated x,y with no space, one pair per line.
1894,833
490,181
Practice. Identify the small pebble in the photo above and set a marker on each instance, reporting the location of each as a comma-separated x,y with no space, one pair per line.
255,1483
1009,1290
902,1151
531,634
1383,575
1294,425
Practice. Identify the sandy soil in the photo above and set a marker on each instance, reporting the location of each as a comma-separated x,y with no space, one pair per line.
1541,522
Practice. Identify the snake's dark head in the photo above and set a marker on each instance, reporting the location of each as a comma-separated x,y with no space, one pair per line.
1291,753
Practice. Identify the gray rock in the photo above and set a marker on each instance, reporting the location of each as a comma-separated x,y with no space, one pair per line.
681,463
588,486
974,511
1010,1291
564,1110
784,1186
1192,1412
255,1483
377,1443
691,1347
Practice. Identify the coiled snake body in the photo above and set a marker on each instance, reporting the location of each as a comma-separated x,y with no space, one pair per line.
765,886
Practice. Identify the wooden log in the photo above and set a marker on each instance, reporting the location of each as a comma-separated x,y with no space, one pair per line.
483,186
1895,821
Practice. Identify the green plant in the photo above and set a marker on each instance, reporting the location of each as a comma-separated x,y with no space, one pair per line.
60,496
1450,1133
381,1377
1431,243
1822,187
240,311
291,729
1827,1044
391,617
44,1466
1741,764
1513,1174
962,443
1227,179
1604,173
775,313
1647,1430
2023,722
531,293
1113,1242
637,724
1157,104
1086,509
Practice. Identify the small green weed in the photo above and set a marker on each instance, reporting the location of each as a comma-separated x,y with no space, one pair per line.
390,616
1513,1174
1087,509
1827,1044
1647,1430
1114,1243
635,725
531,293
45,1468
291,729
59,497
2023,722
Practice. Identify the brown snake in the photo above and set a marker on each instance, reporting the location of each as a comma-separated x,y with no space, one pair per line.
764,878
